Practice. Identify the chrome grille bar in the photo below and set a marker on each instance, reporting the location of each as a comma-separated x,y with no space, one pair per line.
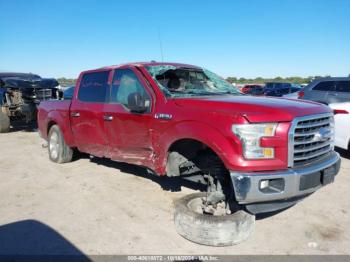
313,124
44,94
310,138
321,152
312,148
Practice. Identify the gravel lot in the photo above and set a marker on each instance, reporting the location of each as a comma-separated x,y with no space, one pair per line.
96,206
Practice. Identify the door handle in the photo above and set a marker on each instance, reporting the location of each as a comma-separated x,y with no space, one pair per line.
107,118
75,114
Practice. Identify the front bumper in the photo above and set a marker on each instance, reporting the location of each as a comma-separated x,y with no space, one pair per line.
286,184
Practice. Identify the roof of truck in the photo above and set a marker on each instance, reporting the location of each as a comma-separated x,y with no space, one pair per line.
152,63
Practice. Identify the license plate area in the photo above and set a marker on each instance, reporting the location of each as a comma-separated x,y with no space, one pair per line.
316,179
328,175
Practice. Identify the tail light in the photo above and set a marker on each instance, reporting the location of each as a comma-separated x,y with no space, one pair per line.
340,111
301,94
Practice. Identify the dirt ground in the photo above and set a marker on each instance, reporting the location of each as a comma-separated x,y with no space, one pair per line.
96,206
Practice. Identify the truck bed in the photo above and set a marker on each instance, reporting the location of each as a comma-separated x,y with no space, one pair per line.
58,109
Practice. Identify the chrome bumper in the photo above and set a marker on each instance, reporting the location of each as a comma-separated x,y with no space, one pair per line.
247,184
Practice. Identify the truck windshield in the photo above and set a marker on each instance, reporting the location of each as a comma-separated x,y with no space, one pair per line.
184,82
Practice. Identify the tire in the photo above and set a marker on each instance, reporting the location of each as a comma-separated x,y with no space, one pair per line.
58,150
211,230
4,123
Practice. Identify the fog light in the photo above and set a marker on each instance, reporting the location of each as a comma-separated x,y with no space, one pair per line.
275,185
264,184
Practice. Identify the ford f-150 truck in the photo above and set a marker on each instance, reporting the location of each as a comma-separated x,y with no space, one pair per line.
260,153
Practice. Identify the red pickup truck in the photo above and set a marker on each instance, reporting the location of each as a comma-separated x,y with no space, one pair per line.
179,120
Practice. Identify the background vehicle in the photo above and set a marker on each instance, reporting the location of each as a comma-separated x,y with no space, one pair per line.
294,95
342,124
253,89
68,93
257,91
179,120
20,94
328,90
280,89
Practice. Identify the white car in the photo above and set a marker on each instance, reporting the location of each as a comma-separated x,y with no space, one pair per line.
294,94
342,124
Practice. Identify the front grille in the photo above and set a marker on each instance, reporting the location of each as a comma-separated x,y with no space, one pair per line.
43,94
311,138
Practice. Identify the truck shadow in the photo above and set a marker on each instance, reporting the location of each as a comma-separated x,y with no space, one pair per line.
19,125
172,184
266,215
31,237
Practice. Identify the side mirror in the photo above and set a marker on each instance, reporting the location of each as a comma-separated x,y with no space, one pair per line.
136,103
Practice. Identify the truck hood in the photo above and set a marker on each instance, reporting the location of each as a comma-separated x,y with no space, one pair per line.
255,109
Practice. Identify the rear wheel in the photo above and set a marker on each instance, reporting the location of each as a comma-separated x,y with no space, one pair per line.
58,150
4,123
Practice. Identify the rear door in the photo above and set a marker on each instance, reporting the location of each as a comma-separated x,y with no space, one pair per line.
87,112
342,92
129,134
321,92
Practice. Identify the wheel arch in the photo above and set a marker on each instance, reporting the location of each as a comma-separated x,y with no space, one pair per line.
54,118
49,125
196,132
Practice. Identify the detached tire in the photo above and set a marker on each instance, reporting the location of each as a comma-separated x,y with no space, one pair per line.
58,150
4,122
211,230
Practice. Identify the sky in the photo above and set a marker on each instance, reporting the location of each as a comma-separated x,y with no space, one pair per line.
242,38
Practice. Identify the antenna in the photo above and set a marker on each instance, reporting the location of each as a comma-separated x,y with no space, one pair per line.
160,46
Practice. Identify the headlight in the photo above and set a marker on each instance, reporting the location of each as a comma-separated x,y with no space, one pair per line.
250,135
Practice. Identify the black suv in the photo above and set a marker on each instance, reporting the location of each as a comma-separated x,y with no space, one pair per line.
20,93
280,89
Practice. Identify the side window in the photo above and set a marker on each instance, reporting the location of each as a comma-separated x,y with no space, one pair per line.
125,82
94,87
343,86
325,86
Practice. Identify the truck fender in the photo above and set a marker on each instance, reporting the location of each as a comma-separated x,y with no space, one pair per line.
56,117
224,147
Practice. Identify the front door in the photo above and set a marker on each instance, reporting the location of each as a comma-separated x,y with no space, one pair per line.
87,113
129,134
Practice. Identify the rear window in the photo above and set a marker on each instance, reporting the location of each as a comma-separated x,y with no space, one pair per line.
343,86
325,86
94,87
